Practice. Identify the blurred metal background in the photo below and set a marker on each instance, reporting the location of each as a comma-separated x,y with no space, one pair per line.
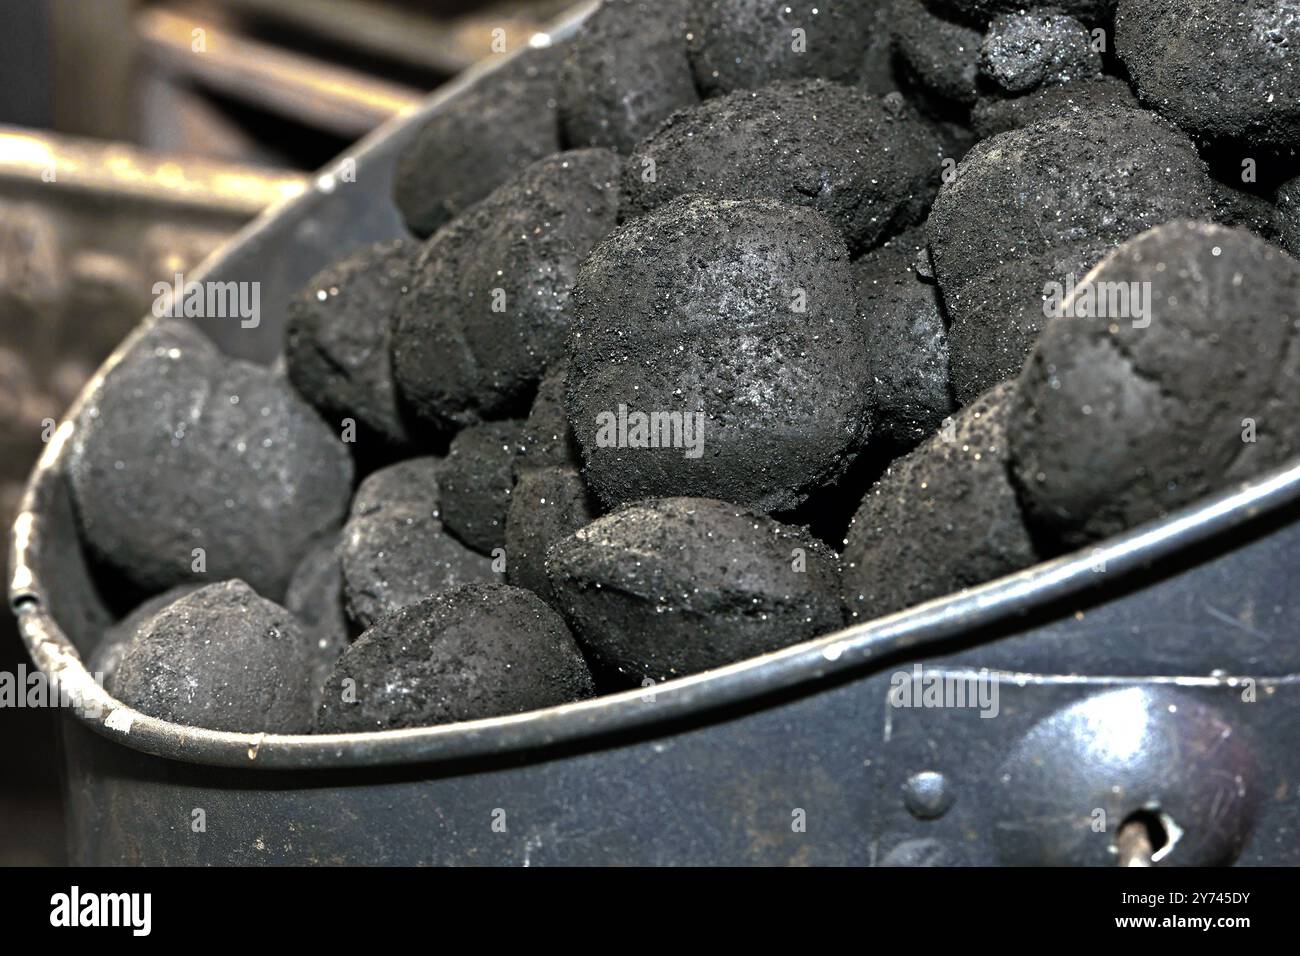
135,136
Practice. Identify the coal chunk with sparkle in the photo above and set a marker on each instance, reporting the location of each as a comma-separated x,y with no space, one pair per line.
476,481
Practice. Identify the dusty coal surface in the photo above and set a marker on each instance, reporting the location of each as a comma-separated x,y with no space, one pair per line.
472,652
548,504
1287,215
745,44
1033,206
736,323
994,114
186,462
625,72
395,549
978,13
315,598
1218,70
546,439
115,640
674,586
871,168
1022,51
480,139
476,481
221,658
1116,422
489,309
337,339
907,339
941,518
940,56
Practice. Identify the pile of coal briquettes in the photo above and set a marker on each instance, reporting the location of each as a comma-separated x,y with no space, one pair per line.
719,326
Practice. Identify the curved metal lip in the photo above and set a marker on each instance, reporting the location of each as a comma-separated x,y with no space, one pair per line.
799,666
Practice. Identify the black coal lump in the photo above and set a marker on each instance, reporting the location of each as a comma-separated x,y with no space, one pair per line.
938,55
674,586
315,598
624,73
1022,51
907,341
1118,420
186,462
479,139
745,44
221,658
548,504
116,640
995,114
1053,194
476,481
473,652
1287,217
546,439
941,518
1002,314
395,550
837,149
489,309
1238,207
717,351
337,339
1218,70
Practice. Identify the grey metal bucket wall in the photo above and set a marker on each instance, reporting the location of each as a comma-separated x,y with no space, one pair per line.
1158,675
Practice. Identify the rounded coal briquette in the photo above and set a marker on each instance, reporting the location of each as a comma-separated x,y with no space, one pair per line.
546,439
116,640
477,651
186,460
395,550
1022,51
837,149
978,13
337,339
1117,421
625,72
1218,70
548,504
315,598
940,56
479,139
489,309
997,114
746,44
717,351
941,518
906,340
476,480
674,586
221,658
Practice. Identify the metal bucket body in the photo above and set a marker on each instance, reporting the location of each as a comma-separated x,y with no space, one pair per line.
1158,675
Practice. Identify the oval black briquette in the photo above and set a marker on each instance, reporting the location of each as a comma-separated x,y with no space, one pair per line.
674,586
625,72
837,149
474,652
941,518
1118,420
221,658
478,140
717,351
395,550
489,309
476,480
337,339
745,44
547,504
186,462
